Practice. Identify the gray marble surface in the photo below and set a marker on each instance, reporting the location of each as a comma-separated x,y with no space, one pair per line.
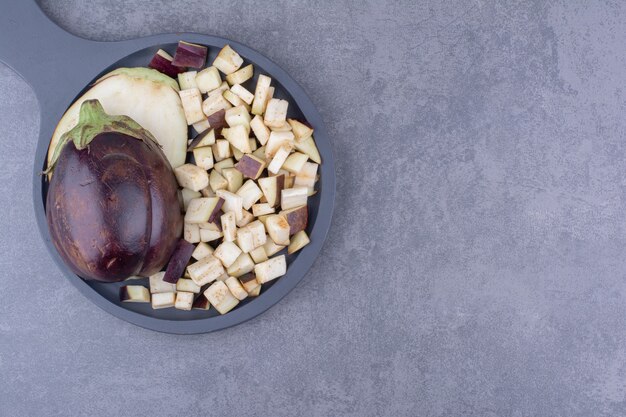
475,266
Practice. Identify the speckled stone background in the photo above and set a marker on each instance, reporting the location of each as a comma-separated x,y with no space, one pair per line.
476,264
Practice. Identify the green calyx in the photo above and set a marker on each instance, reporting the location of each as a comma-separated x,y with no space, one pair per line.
93,121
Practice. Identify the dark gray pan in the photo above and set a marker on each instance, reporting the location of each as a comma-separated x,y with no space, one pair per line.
60,66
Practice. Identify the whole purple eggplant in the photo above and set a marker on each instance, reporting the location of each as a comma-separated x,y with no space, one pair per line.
112,205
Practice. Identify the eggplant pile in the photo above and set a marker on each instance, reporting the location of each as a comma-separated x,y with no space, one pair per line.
112,206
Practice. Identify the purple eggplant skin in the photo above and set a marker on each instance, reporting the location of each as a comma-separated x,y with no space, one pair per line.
112,208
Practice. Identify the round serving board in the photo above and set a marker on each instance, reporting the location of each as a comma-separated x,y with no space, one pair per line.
60,66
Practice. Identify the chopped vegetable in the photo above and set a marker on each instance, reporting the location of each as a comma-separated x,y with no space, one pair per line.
157,285
163,300
208,79
235,288
300,130
206,270
242,265
192,105
162,62
184,300
297,218
202,250
270,269
187,80
192,177
201,303
220,297
135,294
298,241
190,55
179,260
228,61
293,197
187,285
240,76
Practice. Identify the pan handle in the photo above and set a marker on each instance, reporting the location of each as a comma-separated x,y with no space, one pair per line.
27,41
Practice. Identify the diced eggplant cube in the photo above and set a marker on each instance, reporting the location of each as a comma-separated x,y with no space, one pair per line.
251,166
293,197
276,112
208,80
189,195
234,99
236,288
237,136
179,260
191,176
279,159
258,233
242,93
261,94
295,162
227,253
207,138
206,270
232,202
135,294
297,218
201,126
262,209
300,130
229,226
191,232
307,175
298,241
190,55
272,188
202,210
162,62
203,157
214,103
187,80
249,282
276,140
221,149
227,60
184,300
163,300
217,181
201,303
246,218
245,240
250,194
202,250
217,121
308,147
261,131
220,297
226,163
157,285
270,269
278,229
237,116
209,232
234,179
242,265
240,76
191,99
258,255
187,285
